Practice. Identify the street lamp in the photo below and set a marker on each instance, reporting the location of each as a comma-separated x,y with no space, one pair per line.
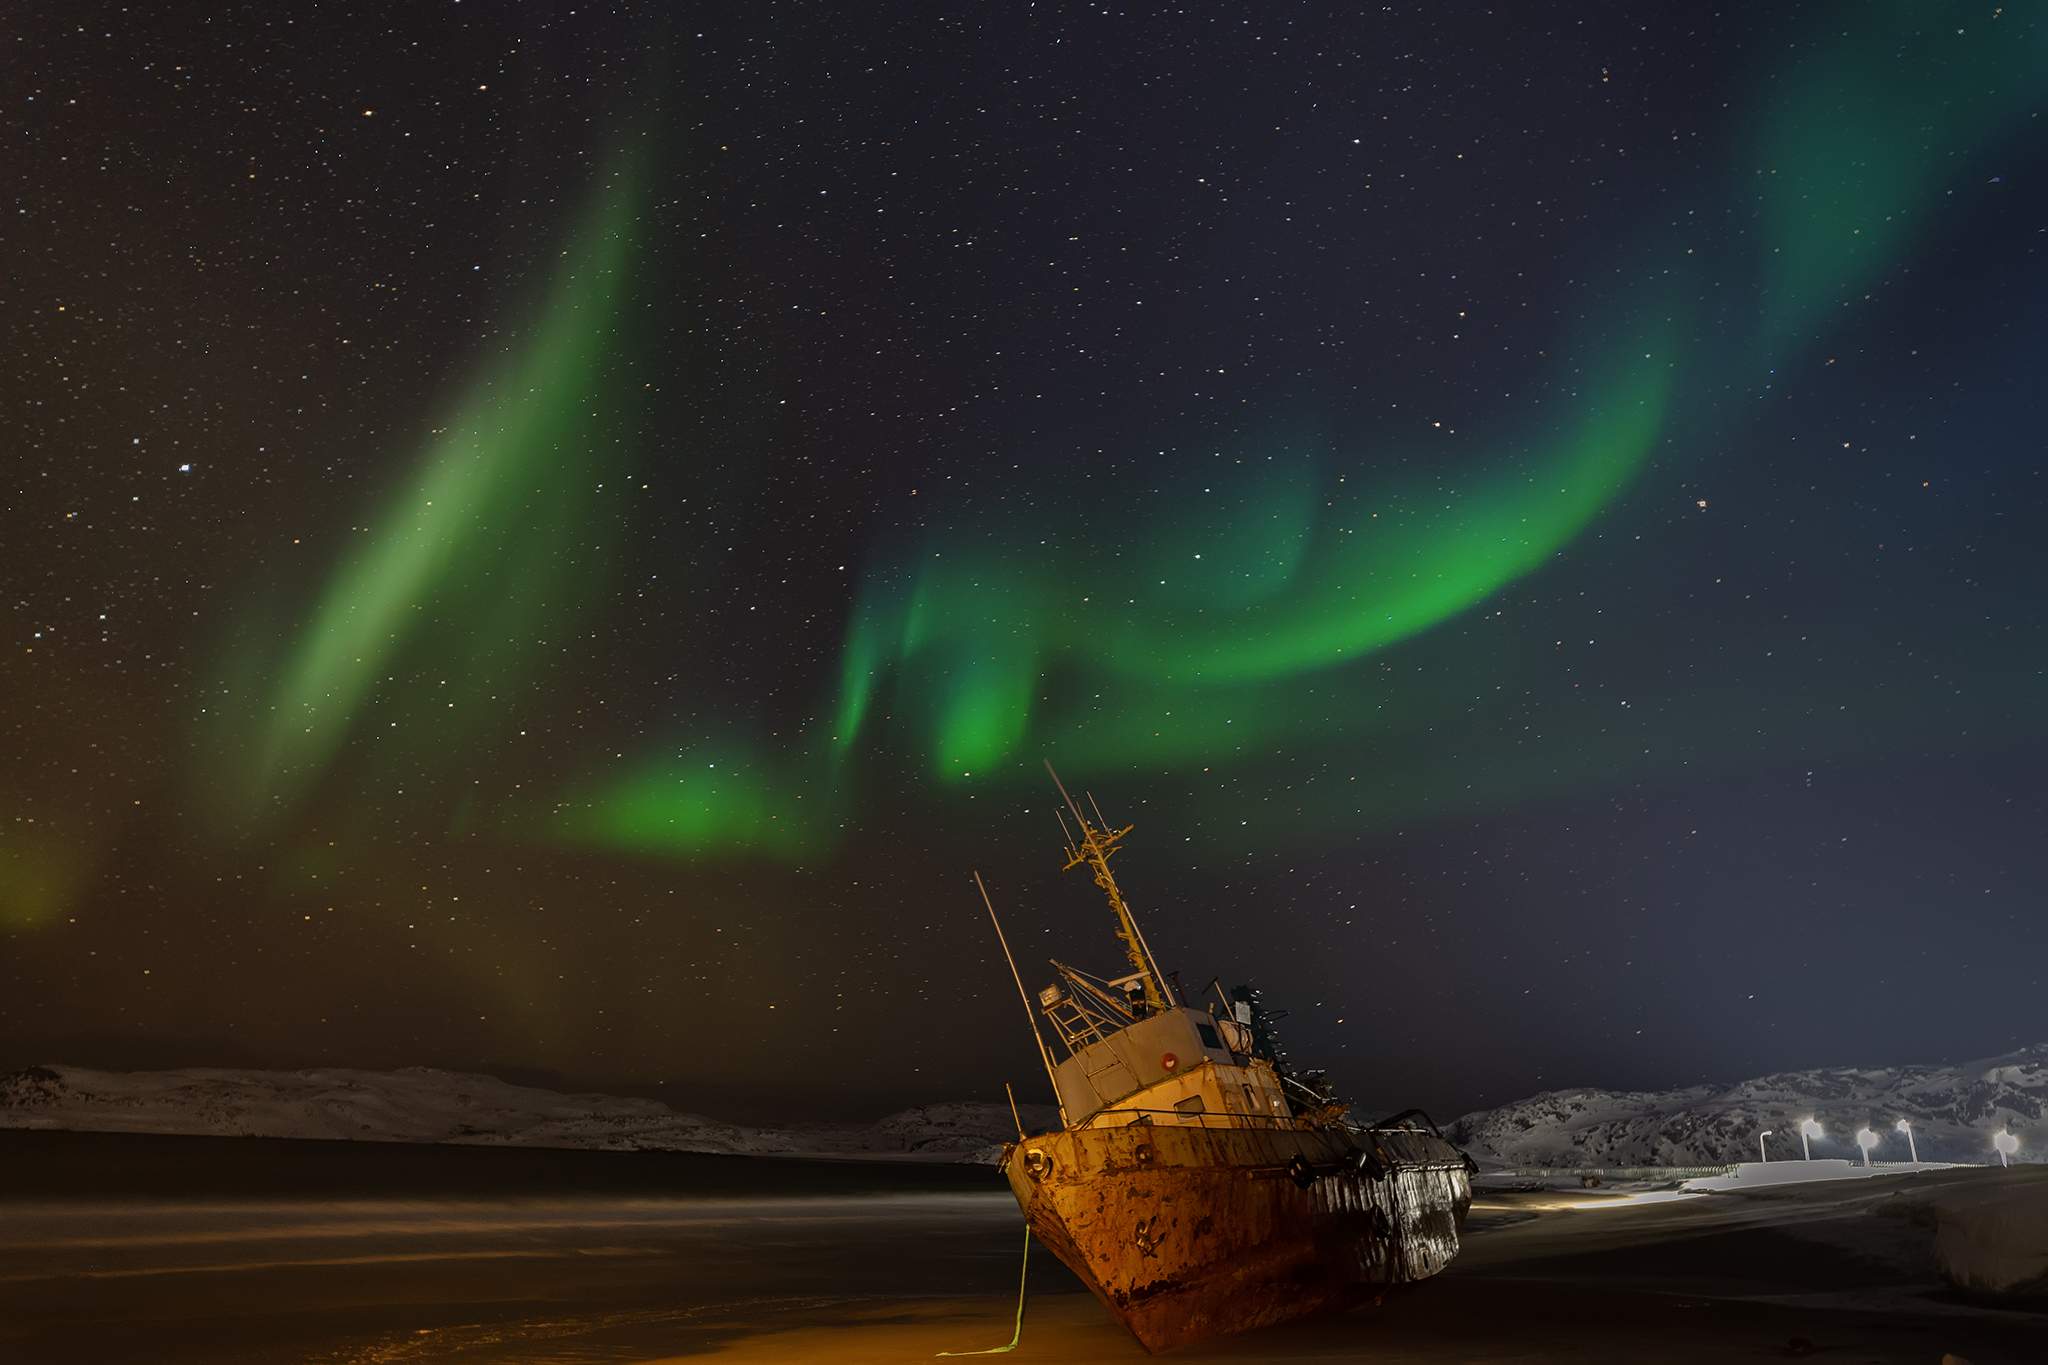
1761,1154
1906,1127
1808,1129
1866,1140
2006,1144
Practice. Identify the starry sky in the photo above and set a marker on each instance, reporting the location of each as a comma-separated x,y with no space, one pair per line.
552,538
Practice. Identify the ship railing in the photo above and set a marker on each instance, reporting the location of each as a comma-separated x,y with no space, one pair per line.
1211,1118
1208,1118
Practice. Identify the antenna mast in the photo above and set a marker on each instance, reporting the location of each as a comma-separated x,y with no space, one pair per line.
1098,842
1037,1039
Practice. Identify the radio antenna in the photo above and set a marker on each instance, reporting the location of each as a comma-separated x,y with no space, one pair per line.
1097,844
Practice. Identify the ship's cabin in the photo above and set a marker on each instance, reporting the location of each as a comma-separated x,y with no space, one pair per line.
1130,1061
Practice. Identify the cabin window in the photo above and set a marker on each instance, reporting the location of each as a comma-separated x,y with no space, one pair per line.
1251,1101
1209,1038
1191,1105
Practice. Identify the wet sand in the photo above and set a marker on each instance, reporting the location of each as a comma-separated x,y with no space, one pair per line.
187,1250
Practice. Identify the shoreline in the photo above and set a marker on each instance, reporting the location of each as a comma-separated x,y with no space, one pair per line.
72,1165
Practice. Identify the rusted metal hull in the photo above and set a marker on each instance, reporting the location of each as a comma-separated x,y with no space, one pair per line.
1188,1232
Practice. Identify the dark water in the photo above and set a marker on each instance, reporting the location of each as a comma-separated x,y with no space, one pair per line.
179,1250
69,1166
122,1247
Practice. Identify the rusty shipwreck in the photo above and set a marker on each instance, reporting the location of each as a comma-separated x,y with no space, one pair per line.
1195,1185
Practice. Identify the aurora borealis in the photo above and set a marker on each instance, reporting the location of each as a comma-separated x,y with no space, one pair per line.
1314,578
489,530
532,531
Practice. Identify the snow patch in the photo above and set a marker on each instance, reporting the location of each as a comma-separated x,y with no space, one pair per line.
1953,1110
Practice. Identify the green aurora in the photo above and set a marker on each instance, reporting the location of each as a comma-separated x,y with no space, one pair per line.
1857,136
439,617
695,805
1192,624
1159,635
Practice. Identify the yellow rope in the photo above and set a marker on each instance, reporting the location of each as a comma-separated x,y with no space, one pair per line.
1023,1271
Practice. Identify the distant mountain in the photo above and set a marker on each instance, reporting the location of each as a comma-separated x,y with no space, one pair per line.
1954,1111
418,1104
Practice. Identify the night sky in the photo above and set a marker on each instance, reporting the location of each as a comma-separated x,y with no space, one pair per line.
553,538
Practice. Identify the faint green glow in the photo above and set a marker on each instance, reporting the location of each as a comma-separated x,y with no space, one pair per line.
438,613
691,806
41,875
1243,540
863,654
1870,133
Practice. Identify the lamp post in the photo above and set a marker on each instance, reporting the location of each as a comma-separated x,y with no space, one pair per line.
1866,1139
2006,1144
1808,1129
1761,1154
1905,1127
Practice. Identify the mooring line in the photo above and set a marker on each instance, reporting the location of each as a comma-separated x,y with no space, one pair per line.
1023,1272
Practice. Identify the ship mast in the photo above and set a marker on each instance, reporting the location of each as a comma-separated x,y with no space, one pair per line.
1097,843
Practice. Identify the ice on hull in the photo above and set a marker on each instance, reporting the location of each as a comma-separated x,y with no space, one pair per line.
1185,1233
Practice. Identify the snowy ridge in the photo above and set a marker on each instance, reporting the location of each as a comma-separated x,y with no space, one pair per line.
1954,1111
419,1104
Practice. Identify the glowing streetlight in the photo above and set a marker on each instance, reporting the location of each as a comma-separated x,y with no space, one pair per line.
1808,1129
2006,1144
1905,1127
1866,1139
1761,1154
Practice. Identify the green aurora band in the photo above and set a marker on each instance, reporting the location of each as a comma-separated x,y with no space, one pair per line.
1191,616
982,653
439,617
1163,642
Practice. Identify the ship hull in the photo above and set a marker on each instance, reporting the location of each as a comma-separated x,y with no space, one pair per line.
1187,1232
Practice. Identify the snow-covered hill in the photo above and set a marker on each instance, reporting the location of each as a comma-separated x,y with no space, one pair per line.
1954,1111
418,1104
